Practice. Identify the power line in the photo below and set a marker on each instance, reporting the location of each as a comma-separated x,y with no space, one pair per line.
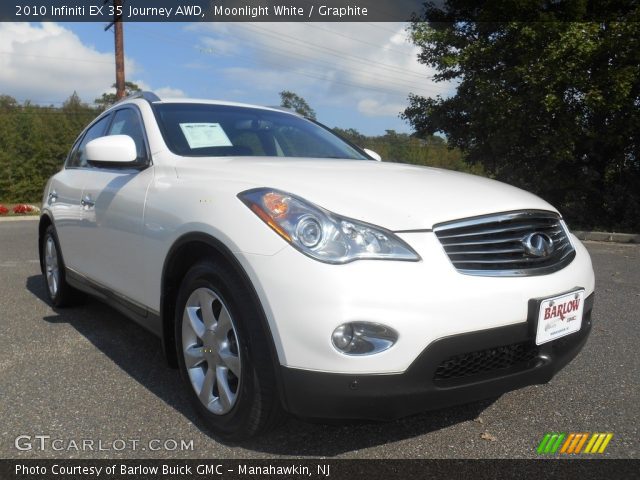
405,85
379,27
319,62
356,58
358,39
395,70
375,76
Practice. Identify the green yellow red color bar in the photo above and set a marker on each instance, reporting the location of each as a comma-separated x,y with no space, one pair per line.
573,443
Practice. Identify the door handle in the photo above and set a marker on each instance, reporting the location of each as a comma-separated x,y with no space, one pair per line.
87,201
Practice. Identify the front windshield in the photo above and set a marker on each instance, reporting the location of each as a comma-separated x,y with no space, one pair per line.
202,130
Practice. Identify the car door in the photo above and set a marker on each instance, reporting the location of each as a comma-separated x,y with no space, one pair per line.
113,208
65,196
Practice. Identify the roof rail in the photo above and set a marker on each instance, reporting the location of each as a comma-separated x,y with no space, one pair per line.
148,96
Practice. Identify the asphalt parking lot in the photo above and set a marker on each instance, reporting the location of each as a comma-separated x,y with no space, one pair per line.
88,373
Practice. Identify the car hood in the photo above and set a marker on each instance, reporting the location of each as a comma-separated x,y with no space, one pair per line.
392,195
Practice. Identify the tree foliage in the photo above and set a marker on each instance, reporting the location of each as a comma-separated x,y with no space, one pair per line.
295,102
35,141
431,151
552,106
108,99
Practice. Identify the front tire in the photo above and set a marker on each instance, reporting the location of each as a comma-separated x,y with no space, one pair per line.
223,355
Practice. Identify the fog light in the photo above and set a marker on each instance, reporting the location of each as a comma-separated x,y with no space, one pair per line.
363,338
343,336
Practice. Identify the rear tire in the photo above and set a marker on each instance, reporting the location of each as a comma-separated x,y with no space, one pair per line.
60,293
223,353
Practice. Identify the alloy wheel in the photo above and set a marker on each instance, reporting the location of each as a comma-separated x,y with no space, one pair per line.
51,266
211,351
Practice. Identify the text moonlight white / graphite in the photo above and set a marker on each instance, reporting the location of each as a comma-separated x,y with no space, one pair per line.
289,11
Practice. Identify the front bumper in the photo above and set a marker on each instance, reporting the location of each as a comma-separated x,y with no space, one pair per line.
305,300
426,386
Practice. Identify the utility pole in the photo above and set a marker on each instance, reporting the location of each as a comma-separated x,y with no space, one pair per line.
119,46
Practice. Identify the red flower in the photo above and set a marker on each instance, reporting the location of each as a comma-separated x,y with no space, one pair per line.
3,210
22,209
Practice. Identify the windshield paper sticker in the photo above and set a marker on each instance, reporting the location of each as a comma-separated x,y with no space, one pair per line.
203,135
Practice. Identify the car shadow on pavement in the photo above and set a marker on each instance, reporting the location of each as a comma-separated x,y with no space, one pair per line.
139,354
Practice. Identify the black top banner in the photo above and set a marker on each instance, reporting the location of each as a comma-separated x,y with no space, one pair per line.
210,10
316,10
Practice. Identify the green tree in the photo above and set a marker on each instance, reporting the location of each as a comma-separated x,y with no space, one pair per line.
35,141
108,99
550,105
8,140
353,135
431,151
7,103
295,102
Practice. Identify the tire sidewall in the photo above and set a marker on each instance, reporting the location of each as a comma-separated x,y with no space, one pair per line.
56,300
237,421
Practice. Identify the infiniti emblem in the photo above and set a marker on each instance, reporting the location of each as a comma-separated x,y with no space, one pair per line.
537,245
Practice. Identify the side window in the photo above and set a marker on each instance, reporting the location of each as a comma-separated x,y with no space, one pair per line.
78,157
127,122
73,153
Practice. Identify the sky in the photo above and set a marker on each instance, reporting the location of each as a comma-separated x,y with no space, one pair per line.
354,75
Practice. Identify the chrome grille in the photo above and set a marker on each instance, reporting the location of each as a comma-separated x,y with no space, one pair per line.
494,245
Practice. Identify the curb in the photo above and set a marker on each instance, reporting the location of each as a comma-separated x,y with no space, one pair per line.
608,237
18,219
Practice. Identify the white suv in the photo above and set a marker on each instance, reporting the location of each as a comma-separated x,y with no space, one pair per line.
286,269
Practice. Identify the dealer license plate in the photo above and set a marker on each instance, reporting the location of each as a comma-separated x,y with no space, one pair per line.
559,316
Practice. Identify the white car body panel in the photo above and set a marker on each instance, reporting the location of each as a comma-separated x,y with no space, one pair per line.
62,198
392,195
133,230
420,300
112,229
423,301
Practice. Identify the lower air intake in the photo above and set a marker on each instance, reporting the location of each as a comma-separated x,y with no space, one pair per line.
484,361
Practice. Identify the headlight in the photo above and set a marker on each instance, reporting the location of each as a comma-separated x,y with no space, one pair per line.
321,234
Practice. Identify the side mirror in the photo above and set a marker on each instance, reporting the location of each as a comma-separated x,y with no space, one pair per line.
372,154
113,150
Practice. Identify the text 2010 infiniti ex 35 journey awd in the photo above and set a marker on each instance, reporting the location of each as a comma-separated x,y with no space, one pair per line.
287,270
